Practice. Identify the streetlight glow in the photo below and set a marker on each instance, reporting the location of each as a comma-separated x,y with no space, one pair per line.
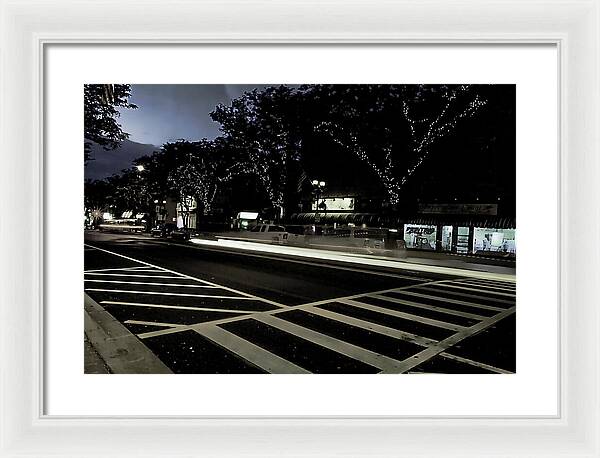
315,182
322,184
140,168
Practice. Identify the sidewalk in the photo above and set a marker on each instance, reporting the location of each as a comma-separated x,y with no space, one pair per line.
111,349
434,262
92,361
460,261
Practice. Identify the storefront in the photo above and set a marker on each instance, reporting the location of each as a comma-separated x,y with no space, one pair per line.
482,237
477,234
494,240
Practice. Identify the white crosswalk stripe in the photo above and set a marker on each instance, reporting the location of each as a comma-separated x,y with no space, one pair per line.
360,354
458,286
474,297
407,316
449,300
488,286
250,352
434,308
178,285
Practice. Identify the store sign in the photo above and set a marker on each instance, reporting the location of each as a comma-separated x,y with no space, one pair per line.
335,204
459,209
247,215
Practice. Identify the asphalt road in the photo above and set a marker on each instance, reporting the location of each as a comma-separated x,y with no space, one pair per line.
213,310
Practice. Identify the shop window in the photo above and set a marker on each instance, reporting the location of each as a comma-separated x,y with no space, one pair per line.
494,240
462,240
420,236
446,238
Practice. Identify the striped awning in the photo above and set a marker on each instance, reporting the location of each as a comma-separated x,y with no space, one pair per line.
373,219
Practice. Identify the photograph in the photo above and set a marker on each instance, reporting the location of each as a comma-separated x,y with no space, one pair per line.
299,228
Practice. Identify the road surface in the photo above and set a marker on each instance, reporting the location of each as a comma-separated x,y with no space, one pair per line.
214,310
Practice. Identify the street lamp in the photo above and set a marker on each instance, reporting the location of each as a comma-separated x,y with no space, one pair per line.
140,168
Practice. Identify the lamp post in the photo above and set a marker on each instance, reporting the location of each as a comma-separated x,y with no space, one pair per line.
143,197
318,187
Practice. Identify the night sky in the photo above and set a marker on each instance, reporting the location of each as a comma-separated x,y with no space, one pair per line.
167,112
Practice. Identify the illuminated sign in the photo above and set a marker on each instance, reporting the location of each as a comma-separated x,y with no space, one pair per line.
247,215
335,204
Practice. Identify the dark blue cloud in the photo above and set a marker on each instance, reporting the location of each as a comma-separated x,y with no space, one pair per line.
168,112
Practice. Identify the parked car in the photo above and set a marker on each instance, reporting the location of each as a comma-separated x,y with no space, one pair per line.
163,230
183,233
272,233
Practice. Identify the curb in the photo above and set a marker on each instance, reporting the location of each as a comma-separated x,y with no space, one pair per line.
122,352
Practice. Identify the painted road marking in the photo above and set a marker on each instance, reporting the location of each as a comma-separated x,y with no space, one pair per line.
311,307
402,335
148,270
406,316
475,363
250,352
112,269
491,288
448,285
470,296
434,308
371,358
491,282
369,326
160,293
445,344
131,275
451,301
358,295
152,323
178,285
433,347
272,363
261,299
178,307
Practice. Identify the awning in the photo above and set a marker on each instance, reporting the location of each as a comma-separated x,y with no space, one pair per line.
372,219
342,218
495,222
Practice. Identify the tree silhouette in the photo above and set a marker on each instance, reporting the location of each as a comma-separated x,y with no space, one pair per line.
100,115
262,126
392,128
197,170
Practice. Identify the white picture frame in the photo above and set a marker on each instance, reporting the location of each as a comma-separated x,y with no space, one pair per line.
26,27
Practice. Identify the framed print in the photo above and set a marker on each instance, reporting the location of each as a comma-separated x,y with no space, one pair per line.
386,313
269,190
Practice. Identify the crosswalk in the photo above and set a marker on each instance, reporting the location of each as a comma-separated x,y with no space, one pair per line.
195,325
422,330
139,295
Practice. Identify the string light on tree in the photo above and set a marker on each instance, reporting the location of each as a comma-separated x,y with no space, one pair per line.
456,104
